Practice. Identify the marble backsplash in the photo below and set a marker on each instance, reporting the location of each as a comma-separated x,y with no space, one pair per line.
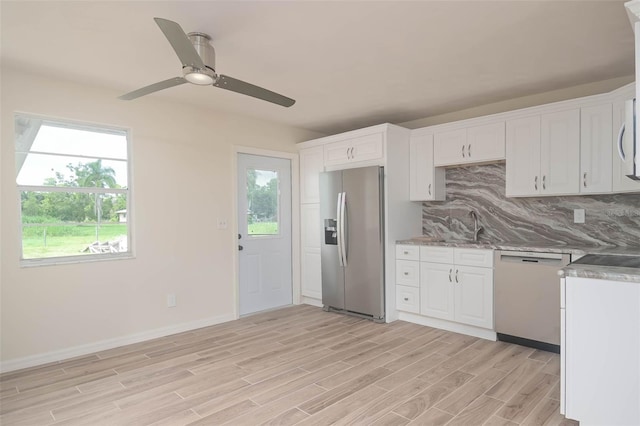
610,219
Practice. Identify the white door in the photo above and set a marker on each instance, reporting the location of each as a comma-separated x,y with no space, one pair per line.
559,149
264,231
474,296
595,149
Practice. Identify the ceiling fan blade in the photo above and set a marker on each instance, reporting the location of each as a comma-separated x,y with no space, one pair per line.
180,43
153,88
239,86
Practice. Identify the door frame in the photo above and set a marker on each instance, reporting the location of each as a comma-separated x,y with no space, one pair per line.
295,220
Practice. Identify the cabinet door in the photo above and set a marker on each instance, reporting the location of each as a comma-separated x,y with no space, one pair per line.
450,148
474,296
311,165
363,148
595,149
523,157
436,290
425,182
486,143
559,152
621,183
310,233
370,147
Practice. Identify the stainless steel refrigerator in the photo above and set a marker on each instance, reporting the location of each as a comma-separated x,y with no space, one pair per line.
352,213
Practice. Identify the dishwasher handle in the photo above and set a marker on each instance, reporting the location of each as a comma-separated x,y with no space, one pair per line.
533,258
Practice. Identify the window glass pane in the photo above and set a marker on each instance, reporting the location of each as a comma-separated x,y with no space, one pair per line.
73,224
34,134
263,208
55,170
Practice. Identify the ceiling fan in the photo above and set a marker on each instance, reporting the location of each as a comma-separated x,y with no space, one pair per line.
198,67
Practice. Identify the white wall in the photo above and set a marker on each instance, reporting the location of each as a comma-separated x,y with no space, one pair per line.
182,181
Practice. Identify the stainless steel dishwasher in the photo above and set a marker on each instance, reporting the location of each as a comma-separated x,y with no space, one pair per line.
527,298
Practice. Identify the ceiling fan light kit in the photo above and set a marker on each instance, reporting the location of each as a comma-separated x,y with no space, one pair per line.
198,59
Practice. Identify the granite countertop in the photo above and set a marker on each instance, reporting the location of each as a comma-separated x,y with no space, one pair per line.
613,262
519,246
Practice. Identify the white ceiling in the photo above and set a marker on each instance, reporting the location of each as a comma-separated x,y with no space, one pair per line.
348,64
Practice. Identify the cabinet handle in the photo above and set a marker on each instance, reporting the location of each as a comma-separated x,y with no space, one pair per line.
535,183
457,276
450,271
463,151
406,299
584,179
406,274
544,182
429,189
406,252
469,150
351,153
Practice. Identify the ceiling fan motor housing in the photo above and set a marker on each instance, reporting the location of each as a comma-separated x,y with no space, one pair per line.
201,42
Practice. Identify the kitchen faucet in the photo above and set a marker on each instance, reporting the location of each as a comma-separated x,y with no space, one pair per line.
476,229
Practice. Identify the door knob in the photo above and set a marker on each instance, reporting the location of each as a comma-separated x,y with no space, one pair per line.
240,247
239,236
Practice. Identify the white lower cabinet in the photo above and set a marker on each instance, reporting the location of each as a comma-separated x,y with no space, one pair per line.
455,284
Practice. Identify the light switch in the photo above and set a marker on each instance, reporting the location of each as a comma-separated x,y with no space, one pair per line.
578,216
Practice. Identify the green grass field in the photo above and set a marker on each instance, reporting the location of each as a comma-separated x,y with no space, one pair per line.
65,240
263,228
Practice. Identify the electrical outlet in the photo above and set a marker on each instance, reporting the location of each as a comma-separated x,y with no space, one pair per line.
578,216
222,224
171,300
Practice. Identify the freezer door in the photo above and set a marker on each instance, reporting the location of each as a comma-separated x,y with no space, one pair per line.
332,272
364,271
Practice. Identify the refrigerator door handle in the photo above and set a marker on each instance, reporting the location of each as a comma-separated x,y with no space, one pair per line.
338,226
343,225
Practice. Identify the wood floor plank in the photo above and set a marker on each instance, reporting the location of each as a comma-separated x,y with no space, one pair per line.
513,357
275,408
432,417
432,395
469,392
390,419
521,405
543,413
377,407
402,376
477,412
288,418
499,421
515,380
334,395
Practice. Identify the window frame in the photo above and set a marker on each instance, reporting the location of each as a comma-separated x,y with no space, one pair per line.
128,191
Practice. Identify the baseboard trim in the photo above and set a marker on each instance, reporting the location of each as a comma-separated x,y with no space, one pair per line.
448,325
62,354
311,301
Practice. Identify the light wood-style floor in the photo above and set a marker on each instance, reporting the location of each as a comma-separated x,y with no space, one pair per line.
297,365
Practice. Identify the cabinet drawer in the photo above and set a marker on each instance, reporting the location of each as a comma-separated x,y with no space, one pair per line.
473,257
407,299
436,254
408,272
407,252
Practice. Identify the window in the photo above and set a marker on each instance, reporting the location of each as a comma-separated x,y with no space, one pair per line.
262,201
73,182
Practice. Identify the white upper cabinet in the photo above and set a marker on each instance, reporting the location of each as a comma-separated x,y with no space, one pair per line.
358,149
311,165
477,144
595,149
426,183
450,147
559,150
542,154
523,157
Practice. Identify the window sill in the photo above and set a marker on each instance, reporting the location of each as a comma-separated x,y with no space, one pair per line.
52,261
